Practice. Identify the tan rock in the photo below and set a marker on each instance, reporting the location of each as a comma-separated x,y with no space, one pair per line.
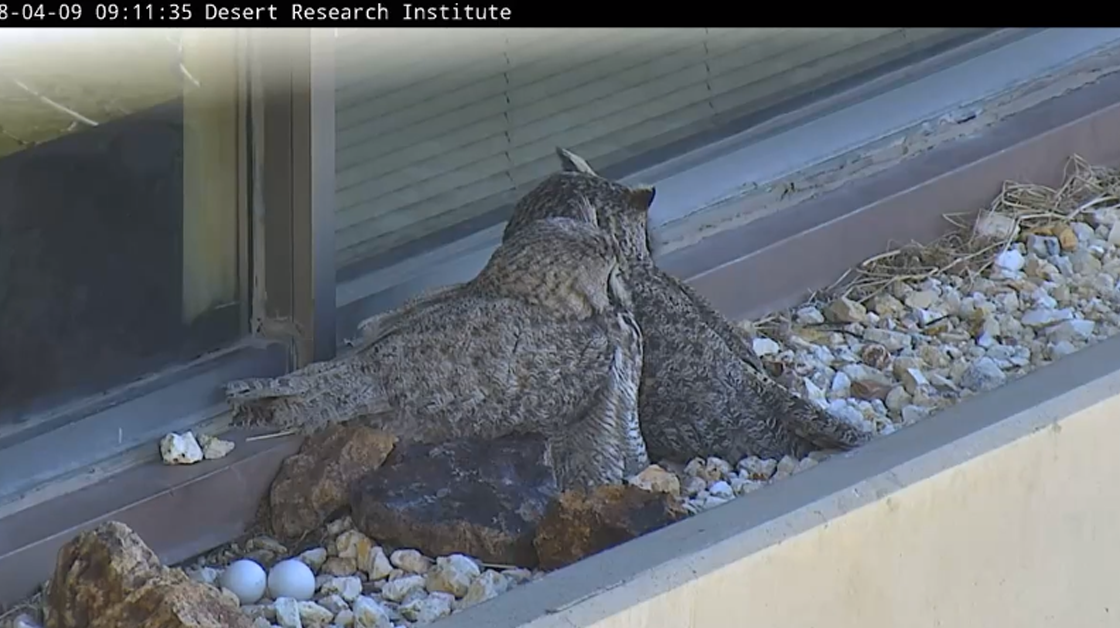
579,524
845,310
108,578
316,482
995,226
1067,238
654,478
869,390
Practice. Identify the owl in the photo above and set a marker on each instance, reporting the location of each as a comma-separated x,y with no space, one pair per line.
542,340
703,390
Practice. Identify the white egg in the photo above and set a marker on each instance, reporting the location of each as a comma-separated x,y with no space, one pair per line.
291,578
246,579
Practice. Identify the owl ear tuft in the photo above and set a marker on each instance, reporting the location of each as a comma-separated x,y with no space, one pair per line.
571,162
641,196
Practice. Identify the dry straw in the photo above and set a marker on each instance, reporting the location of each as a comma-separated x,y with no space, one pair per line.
968,248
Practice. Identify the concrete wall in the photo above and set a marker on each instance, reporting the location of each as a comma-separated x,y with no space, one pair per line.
1027,534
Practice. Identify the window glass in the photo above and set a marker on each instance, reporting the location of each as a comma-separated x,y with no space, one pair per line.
119,208
439,128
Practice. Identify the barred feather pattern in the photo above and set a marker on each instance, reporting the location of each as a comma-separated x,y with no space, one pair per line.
540,341
703,390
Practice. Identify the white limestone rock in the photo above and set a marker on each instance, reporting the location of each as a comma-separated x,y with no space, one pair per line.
180,449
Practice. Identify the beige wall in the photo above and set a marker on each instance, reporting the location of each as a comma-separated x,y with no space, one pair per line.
1001,511
1026,535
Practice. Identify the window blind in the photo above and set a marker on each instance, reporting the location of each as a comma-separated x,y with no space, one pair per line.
435,127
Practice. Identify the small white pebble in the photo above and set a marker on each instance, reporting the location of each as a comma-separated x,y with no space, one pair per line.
346,587
722,490
745,486
786,466
205,575
334,603
693,485
314,558
338,566
1010,259
287,612
338,526
180,449
711,501
352,544
262,610
809,316
312,614
411,561
426,610
396,590
764,346
344,618
214,448
487,586
379,566
757,468
452,574
716,468
369,614
517,575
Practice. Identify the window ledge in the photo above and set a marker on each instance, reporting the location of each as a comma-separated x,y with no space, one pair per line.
65,451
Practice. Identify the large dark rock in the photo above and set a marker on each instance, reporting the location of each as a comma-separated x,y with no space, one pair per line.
579,524
481,498
315,483
108,578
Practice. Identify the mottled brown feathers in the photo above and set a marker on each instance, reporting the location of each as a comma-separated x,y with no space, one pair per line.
541,340
703,390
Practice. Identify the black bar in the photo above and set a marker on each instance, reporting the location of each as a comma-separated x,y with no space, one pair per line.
412,13
266,13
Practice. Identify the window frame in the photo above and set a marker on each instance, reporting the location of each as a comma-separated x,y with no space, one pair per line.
285,218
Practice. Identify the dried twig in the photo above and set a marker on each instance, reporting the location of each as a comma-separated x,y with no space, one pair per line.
962,250
273,435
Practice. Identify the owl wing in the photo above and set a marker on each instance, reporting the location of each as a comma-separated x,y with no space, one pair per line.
379,325
484,367
717,323
798,415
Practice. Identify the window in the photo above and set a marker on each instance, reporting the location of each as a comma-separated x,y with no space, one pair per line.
430,142
121,220
133,171
440,131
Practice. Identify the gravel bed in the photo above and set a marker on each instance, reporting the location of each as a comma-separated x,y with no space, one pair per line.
358,583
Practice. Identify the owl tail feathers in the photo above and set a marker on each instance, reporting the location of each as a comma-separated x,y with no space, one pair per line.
820,428
305,400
